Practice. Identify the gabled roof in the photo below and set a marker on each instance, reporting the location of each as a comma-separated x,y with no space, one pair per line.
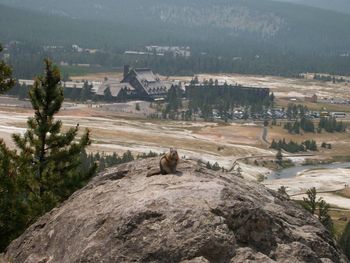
150,82
146,75
115,87
157,87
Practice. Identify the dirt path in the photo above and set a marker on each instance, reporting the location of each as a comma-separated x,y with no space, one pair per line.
330,198
263,137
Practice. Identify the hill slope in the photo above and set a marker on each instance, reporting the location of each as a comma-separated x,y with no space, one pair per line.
198,215
260,24
342,6
39,28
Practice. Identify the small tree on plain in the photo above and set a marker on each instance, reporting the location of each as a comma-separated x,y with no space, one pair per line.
279,157
310,202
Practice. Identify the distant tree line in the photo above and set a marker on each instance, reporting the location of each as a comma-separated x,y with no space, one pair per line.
80,94
75,94
173,103
108,160
211,98
294,147
302,121
328,124
19,91
304,124
295,111
225,98
214,167
328,78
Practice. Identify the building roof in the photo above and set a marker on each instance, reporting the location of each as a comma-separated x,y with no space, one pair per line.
157,87
146,75
150,82
115,87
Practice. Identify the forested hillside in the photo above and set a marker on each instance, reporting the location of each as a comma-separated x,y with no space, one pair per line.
38,28
263,24
252,36
342,6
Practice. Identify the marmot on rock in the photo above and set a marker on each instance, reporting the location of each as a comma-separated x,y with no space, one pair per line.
167,164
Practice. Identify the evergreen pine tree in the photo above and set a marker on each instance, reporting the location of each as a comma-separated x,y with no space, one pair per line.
324,217
345,240
274,144
283,191
127,157
86,92
279,156
13,205
6,80
108,95
75,94
48,157
310,203
12,208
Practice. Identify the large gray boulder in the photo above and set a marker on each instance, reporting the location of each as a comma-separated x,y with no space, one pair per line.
196,216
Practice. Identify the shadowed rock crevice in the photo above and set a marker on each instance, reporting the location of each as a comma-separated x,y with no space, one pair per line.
199,217
131,225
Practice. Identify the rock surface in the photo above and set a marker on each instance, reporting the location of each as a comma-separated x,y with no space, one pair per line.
196,216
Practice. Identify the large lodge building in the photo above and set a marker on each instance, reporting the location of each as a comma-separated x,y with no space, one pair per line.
143,84
138,83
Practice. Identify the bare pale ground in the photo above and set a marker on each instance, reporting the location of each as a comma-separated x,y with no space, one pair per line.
117,128
324,180
345,192
340,141
113,132
283,102
98,76
281,86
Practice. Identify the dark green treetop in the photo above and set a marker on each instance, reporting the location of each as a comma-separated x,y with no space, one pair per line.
48,156
6,80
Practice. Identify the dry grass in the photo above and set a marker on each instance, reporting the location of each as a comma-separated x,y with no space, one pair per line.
283,102
340,219
345,193
207,139
340,141
98,76
112,132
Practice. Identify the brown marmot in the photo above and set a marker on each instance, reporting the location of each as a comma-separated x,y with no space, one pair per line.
167,164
